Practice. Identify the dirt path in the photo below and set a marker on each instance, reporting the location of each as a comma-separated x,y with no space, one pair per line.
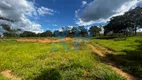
98,52
112,64
9,75
44,40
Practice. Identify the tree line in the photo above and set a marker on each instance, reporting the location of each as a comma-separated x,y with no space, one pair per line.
126,24
79,31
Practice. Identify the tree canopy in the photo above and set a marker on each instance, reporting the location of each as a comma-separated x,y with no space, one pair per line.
129,22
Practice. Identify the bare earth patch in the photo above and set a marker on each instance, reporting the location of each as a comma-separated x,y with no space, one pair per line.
7,74
44,40
112,64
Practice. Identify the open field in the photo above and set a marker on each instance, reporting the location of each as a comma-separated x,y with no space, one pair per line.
62,60
127,54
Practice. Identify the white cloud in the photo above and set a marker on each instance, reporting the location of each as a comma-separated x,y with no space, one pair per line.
76,13
84,3
55,25
102,10
42,11
20,10
139,30
82,23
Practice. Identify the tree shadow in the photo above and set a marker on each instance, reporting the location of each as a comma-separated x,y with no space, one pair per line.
49,74
130,62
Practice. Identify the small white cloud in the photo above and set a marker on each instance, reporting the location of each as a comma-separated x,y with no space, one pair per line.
55,25
82,23
43,11
76,13
84,3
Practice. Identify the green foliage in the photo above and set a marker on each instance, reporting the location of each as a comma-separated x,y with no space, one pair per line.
50,74
38,61
126,23
94,30
6,27
27,34
127,53
3,78
48,33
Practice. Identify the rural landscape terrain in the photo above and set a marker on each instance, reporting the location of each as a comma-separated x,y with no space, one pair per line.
110,51
71,59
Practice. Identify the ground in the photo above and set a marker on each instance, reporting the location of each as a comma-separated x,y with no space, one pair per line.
55,59
126,53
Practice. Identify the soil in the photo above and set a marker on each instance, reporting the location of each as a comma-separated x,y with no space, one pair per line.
112,64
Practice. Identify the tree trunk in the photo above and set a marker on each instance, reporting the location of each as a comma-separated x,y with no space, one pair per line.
135,30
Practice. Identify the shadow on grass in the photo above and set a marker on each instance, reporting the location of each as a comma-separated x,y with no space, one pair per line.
130,62
50,74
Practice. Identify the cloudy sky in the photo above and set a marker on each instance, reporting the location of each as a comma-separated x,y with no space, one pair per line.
40,15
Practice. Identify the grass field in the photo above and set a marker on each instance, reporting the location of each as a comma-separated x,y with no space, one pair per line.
3,78
52,61
127,54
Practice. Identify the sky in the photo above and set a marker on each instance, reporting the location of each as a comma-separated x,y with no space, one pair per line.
41,15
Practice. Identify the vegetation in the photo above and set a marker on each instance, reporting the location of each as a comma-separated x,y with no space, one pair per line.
3,78
38,61
126,24
59,60
127,53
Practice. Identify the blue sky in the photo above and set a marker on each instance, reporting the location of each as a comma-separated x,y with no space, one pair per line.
64,16
41,15
65,12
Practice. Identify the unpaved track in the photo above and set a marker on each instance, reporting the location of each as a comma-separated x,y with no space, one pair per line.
112,64
9,75
44,40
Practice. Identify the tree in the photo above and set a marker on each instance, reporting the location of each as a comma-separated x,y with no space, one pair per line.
48,33
28,34
9,32
6,27
83,31
66,31
125,23
94,30
3,18
75,31
134,18
56,33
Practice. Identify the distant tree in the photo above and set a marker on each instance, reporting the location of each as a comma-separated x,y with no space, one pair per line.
134,18
94,30
6,27
48,33
75,31
66,31
83,31
4,18
9,31
125,23
28,34
7,34
56,33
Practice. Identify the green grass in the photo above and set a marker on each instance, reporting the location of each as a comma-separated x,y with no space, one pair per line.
127,53
3,78
118,46
52,61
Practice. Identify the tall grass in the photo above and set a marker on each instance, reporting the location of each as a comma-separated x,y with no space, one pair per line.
127,53
52,61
